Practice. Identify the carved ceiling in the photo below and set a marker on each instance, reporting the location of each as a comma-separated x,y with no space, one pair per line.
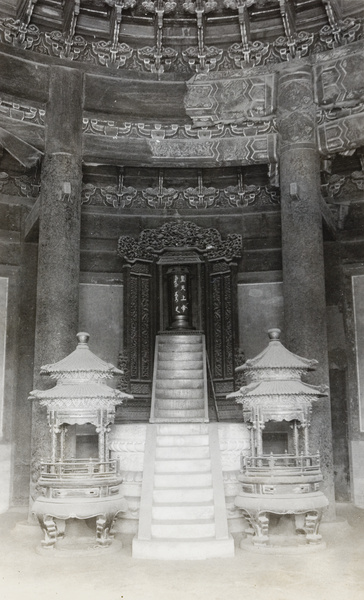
180,145
177,35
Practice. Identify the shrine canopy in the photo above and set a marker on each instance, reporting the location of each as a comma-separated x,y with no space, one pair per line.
80,385
81,364
274,389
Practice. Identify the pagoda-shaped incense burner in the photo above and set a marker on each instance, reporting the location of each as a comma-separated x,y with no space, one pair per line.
79,488
282,475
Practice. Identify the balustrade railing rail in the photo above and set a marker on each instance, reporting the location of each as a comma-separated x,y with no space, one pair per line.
278,463
78,469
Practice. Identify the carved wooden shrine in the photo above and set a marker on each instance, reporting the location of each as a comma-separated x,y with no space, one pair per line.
281,476
207,263
79,488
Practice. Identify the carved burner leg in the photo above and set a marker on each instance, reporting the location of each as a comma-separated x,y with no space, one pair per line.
51,533
104,524
299,520
312,523
259,522
250,531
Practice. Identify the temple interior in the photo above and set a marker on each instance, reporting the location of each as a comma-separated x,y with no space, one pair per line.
182,298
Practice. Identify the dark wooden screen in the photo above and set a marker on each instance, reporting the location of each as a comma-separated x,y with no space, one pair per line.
140,331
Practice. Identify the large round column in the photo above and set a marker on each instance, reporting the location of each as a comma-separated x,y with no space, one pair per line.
302,245
59,238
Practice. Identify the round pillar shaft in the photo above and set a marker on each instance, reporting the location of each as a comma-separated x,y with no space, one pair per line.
60,219
59,240
302,246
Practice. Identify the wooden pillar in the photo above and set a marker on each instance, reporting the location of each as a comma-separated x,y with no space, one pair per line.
59,239
302,246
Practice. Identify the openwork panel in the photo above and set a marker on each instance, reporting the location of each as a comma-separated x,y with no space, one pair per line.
221,332
140,341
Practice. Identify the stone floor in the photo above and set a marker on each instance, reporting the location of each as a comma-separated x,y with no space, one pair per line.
331,574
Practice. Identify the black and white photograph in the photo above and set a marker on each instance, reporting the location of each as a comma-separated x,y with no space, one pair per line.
181,300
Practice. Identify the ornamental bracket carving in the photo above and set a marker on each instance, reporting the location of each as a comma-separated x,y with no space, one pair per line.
177,235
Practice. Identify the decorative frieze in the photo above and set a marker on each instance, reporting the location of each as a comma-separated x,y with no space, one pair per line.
238,196
118,196
246,150
346,188
19,186
22,112
201,58
161,132
286,48
193,198
114,53
108,54
200,196
159,58
246,53
339,31
256,53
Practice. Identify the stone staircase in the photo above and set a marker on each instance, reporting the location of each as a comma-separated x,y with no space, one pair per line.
180,381
182,510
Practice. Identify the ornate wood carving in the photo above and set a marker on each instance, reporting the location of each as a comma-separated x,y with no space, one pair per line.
158,58
342,134
218,314
67,44
180,234
217,99
296,110
340,82
157,198
221,327
139,331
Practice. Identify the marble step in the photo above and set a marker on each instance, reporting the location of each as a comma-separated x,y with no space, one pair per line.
182,480
178,404
165,347
180,374
162,419
185,365
176,393
175,495
182,440
177,549
180,339
182,529
181,452
184,512
183,429
202,465
179,356
182,384
181,407
187,414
